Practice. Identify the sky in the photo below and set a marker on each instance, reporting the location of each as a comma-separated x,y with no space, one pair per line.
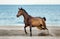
28,2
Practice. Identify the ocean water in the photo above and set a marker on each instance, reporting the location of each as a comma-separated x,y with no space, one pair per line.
8,13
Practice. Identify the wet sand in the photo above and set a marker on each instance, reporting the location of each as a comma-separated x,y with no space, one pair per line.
17,32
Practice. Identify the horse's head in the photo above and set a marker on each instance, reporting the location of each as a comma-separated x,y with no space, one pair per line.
20,12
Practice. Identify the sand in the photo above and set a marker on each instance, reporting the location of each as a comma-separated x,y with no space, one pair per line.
17,32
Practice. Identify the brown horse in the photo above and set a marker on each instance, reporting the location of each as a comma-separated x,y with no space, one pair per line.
32,21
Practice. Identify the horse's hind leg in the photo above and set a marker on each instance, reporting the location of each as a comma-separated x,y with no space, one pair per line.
30,30
25,29
39,27
44,25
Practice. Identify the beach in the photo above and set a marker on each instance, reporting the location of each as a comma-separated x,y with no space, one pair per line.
17,32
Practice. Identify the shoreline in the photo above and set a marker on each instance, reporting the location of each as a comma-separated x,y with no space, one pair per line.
47,24
24,25
52,26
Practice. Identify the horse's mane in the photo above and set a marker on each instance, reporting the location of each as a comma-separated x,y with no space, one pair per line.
25,12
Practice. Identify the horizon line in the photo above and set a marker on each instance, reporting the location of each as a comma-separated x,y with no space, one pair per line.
29,4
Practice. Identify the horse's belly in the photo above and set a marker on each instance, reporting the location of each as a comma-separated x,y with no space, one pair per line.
36,23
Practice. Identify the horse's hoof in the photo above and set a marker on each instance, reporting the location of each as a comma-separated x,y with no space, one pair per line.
26,33
30,34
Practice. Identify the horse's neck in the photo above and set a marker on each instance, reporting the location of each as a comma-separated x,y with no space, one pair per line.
26,16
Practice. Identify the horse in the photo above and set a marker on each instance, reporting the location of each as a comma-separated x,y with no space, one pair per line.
32,21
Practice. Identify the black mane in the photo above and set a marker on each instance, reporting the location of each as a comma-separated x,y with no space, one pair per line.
25,11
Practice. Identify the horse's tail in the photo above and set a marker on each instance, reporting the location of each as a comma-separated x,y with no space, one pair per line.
44,18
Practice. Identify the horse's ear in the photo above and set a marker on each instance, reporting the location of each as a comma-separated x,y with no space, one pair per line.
19,8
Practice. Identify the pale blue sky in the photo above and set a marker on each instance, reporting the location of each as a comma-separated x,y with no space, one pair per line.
27,2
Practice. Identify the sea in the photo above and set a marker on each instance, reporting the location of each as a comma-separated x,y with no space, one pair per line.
50,12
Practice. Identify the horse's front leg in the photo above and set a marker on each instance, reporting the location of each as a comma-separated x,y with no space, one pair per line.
25,29
30,30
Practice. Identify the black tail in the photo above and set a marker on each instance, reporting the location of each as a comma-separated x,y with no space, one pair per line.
44,18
